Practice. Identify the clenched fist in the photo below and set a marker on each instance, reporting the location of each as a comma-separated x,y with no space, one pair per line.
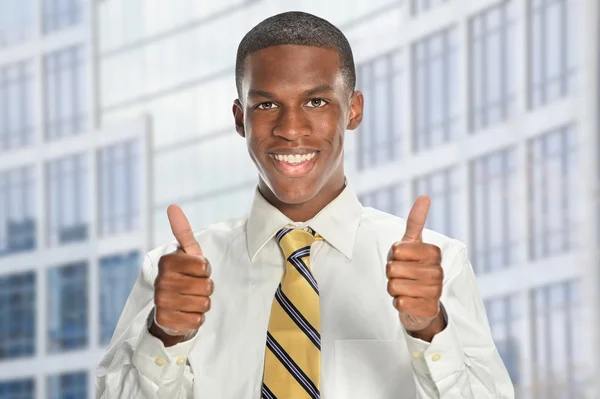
415,277
182,288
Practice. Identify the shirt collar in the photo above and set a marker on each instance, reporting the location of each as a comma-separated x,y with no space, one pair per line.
337,222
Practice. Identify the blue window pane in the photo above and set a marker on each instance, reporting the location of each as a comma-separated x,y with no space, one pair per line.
553,55
61,14
17,21
65,100
68,307
380,135
117,276
68,200
435,90
17,315
492,66
388,199
17,389
419,6
441,186
17,208
494,220
119,181
16,106
68,386
553,176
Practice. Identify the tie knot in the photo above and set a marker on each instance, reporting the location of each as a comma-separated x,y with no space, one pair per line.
296,242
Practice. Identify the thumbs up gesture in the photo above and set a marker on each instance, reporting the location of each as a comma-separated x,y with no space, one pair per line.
182,288
415,276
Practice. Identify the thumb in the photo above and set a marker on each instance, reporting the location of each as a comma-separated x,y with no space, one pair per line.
180,226
416,219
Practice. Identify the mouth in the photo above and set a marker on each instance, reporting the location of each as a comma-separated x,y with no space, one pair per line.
294,165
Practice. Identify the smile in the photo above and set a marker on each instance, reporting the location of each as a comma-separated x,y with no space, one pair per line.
294,159
294,165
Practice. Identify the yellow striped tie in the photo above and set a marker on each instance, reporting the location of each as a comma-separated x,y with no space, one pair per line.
293,353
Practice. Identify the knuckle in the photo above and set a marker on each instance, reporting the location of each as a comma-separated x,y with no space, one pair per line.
161,299
207,304
389,265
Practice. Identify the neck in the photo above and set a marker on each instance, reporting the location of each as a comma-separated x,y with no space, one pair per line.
307,210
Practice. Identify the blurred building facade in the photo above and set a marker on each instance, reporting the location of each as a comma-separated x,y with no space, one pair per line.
111,110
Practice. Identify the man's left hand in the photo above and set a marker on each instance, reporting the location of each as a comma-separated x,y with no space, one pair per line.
415,277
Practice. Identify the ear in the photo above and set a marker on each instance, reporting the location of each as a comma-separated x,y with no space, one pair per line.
238,116
356,110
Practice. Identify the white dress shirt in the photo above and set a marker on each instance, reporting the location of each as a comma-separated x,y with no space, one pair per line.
366,353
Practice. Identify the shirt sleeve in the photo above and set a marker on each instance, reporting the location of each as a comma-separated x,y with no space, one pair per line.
462,361
137,364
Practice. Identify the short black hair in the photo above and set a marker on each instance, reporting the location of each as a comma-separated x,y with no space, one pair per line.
299,28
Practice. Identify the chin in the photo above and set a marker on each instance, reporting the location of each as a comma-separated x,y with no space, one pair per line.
295,194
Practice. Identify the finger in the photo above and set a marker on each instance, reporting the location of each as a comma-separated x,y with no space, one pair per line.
416,251
406,270
185,285
416,219
419,307
180,226
184,264
182,303
413,288
180,321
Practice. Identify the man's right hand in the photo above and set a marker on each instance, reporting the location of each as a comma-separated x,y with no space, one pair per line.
182,288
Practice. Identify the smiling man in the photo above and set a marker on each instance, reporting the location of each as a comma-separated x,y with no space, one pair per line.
311,295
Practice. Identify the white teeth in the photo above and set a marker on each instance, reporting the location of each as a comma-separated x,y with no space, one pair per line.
294,159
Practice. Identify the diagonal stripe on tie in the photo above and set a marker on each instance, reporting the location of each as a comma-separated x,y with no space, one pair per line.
304,381
297,317
267,394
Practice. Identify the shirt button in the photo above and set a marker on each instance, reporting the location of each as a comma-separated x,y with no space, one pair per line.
417,355
181,361
160,361
436,357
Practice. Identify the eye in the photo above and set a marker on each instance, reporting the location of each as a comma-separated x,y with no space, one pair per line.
316,103
266,105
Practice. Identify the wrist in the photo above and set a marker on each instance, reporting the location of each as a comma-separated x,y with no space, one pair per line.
437,325
167,340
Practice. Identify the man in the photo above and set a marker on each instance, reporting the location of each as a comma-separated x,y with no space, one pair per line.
311,295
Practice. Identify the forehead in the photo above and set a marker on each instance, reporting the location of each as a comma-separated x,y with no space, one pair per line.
292,66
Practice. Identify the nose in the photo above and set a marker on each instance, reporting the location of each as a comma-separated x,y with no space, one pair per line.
292,124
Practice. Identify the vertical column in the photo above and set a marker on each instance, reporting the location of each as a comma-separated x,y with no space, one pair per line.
587,195
463,230
521,206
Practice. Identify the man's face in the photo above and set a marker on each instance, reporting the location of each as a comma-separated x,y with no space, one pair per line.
294,110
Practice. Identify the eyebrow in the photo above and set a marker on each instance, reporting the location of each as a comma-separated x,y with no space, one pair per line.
310,92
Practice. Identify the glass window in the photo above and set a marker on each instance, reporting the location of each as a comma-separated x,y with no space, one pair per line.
16,106
17,211
380,134
495,231
505,323
493,67
436,89
442,188
17,389
119,181
61,14
17,315
65,101
418,6
388,199
556,364
68,386
68,200
553,182
117,277
552,59
17,21
68,304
